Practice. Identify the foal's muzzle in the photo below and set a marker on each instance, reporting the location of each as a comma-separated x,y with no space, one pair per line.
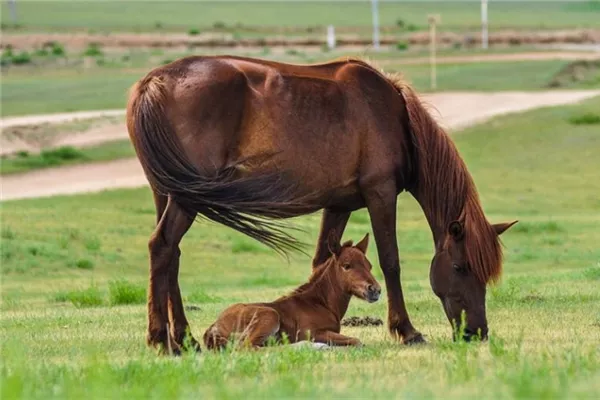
372,294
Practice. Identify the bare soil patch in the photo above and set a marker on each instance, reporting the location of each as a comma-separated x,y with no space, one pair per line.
226,40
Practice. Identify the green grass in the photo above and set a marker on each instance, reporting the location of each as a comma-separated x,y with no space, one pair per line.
24,92
104,16
544,316
23,162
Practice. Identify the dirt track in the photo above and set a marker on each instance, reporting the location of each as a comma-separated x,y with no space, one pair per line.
454,110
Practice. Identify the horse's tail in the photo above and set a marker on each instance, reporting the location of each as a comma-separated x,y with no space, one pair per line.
244,204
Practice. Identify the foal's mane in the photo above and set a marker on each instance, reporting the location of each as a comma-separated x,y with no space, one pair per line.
444,187
319,272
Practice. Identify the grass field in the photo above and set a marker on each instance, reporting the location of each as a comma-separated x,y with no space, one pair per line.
38,91
74,271
105,16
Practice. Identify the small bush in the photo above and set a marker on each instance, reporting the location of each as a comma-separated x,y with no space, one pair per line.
21,58
124,292
90,297
42,52
412,27
402,46
193,31
7,233
84,263
585,119
200,297
400,23
158,25
57,49
219,25
93,50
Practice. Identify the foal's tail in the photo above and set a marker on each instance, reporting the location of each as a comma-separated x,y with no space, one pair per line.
244,204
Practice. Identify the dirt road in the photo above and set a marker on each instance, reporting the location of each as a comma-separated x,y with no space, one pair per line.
453,110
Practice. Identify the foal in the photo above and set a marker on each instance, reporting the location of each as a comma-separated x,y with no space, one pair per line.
312,311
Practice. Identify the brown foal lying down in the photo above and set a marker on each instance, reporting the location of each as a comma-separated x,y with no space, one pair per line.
311,312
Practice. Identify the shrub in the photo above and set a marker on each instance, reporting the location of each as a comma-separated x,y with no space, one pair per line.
62,153
57,49
93,50
402,46
124,292
400,23
194,31
90,297
219,25
21,58
43,52
585,119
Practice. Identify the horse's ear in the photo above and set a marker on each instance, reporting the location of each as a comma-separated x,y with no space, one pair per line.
502,227
333,244
455,229
363,244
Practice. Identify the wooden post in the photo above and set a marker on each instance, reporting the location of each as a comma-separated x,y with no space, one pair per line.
484,24
375,13
433,20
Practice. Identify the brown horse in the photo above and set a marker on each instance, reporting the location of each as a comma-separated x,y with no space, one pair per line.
243,142
312,311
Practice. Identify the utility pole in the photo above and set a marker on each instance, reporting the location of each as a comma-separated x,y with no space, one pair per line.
375,13
433,20
484,24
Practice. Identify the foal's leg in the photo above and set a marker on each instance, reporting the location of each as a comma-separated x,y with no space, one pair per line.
336,339
330,220
262,323
164,247
381,203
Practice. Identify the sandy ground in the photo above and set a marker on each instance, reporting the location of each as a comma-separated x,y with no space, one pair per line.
453,110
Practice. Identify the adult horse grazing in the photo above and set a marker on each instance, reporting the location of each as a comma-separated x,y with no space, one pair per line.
244,142
312,311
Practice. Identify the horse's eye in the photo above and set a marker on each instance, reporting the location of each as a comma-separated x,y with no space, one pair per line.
346,267
460,268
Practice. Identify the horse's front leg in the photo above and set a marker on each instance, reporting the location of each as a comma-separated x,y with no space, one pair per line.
331,220
381,203
164,248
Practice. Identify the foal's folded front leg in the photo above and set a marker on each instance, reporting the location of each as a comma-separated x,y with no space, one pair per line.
336,339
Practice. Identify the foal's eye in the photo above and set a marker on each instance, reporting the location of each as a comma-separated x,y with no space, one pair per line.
346,267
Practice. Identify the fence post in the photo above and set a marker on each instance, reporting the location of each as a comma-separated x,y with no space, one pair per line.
433,19
331,37
375,13
484,24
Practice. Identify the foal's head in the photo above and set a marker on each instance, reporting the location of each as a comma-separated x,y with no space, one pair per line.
352,271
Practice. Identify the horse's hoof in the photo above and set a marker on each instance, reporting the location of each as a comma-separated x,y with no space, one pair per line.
416,338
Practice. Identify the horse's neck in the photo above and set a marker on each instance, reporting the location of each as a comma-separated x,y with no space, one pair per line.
325,292
443,182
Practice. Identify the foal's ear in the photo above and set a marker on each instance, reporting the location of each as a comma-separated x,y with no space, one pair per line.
333,244
363,244
502,227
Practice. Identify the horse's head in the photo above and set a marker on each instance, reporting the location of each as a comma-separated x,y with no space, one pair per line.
465,260
353,270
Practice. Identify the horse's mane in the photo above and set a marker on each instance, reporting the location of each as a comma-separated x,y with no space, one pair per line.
444,186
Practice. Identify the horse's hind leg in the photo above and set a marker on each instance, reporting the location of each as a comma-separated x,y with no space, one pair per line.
381,203
164,258
331,220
